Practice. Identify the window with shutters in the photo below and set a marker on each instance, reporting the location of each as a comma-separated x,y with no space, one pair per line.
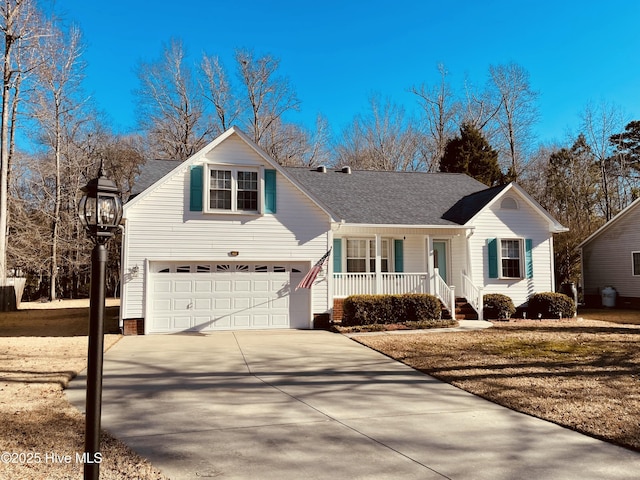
233,189
361,255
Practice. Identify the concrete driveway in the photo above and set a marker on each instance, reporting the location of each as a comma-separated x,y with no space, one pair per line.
315,405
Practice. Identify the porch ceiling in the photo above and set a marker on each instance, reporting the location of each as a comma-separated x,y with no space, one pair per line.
359,229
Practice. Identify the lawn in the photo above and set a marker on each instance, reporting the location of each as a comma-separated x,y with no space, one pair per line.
582,374
40,352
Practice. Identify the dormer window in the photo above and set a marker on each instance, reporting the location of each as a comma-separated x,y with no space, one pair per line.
233,189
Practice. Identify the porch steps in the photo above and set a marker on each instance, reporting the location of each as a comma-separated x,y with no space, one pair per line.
464,311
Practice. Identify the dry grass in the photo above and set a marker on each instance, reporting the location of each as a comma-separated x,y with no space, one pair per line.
35,416
582,374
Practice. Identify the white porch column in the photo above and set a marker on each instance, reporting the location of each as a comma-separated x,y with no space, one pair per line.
378,263
430,264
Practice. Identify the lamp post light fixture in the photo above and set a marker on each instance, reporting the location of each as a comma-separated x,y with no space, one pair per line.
100,212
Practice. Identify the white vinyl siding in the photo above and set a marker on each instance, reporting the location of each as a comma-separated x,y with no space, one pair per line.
159,226
607,259
512,224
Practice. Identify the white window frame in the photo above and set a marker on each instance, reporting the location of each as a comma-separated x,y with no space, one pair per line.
234,169
370,258
633,264
521,258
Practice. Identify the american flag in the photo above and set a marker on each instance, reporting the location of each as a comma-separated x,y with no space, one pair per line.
310,277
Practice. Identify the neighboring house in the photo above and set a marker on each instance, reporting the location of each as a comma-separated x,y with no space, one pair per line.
611,258
222,240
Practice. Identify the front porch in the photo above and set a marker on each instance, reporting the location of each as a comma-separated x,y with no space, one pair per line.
384,260
346,284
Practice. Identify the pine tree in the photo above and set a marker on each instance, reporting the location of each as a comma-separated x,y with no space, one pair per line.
470,153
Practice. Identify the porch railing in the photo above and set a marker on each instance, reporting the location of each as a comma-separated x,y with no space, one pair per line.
446,294
473,294
346,284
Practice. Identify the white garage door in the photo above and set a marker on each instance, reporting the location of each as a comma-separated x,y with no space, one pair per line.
202,296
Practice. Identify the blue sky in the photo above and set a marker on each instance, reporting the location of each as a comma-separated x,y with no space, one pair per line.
338,53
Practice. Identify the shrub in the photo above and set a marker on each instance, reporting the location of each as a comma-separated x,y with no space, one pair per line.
416,307
551,305
373,309
497,306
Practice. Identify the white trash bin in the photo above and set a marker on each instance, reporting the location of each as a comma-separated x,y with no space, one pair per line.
609,297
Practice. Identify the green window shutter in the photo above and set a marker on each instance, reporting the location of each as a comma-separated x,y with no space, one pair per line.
195,197
337,255
528,255
270,191
398,250
492,248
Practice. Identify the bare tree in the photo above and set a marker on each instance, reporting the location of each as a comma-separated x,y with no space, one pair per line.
266,96
599,123
384,139
19,28
517,112
55,109
439,112
218,90
172,110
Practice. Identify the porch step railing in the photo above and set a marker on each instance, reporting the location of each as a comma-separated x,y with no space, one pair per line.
473,294
446,294
346,284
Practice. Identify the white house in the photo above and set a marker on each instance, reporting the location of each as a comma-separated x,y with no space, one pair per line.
221,240
611,258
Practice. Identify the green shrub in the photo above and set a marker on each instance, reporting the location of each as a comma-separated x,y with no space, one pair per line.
374,309
550,305
497,306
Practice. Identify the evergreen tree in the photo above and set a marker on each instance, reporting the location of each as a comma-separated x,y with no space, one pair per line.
470,153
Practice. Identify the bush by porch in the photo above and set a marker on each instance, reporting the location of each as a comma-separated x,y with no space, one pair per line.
386,309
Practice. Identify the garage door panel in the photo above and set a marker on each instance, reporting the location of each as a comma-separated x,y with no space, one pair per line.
261,320
162,322
222,322
201,304
254,296
261,285
205,286
241,320
242,286
162,305
183,286
182,322
162,286
222,304
222,285
180,304
201,322
280,302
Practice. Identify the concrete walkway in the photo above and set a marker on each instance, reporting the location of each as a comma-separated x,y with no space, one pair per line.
316,405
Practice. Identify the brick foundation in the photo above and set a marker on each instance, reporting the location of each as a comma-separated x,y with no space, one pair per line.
321,321
337,309
133,326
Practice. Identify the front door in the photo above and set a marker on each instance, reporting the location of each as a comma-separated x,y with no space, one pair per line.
440,258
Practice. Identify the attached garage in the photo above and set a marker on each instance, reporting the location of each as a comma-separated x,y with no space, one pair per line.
226,295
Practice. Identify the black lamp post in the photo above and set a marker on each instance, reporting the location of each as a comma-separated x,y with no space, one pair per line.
100,212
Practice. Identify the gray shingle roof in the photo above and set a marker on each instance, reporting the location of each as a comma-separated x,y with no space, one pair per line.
396,198
373,196
150,172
